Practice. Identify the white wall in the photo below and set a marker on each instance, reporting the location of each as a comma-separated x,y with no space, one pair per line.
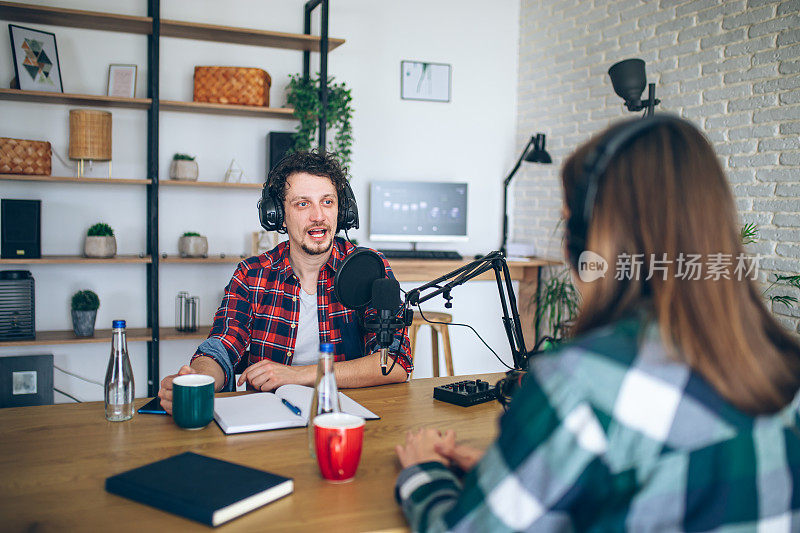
469,139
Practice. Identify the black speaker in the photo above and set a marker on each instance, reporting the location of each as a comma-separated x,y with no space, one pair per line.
278,143
20,229
17,305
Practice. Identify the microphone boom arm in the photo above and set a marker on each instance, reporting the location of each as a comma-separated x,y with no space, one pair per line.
511,319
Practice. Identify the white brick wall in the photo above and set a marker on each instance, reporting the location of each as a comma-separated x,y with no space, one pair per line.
730,66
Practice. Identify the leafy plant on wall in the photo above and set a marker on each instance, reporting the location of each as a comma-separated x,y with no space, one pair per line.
749,235
303,96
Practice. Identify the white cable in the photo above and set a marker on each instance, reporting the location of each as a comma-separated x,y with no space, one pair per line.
72,166
79,377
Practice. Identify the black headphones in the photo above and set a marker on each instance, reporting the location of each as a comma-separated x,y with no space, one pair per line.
594,166
271,215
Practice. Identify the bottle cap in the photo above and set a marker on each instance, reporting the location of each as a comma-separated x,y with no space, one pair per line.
116,324
326,347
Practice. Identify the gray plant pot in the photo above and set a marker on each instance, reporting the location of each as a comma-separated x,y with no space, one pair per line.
182,169
83,323
105,246
193,246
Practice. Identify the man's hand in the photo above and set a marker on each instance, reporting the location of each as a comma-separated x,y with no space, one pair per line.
166,387
420,446
268,375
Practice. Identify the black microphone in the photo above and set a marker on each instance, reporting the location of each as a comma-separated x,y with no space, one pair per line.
386,301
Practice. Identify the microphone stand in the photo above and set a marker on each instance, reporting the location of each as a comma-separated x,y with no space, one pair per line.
511,319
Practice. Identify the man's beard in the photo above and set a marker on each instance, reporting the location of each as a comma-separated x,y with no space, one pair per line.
316,251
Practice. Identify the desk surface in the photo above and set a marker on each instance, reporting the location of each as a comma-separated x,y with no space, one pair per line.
54,461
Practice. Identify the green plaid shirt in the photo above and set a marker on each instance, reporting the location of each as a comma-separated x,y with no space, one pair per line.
608,434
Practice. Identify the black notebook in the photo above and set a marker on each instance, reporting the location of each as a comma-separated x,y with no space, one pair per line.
201,488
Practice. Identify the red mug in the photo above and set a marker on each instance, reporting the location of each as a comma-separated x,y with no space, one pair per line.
338,438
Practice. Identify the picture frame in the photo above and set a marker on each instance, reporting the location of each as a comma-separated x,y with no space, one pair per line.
421,80
26,380
263,241
121,80
35,57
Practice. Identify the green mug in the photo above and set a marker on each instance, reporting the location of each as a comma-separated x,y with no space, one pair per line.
193,400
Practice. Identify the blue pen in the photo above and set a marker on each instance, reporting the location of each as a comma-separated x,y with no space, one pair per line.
292,408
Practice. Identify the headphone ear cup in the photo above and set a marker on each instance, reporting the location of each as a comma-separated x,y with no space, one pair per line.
348,210
270,212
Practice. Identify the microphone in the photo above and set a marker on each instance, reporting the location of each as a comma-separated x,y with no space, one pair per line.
386,301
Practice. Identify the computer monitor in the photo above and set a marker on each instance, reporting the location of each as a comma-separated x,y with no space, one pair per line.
418,211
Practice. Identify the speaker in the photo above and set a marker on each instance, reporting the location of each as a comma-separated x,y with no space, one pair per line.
17,305
20,229
278,143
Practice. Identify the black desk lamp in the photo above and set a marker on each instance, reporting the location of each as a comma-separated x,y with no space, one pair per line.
533,152
629,79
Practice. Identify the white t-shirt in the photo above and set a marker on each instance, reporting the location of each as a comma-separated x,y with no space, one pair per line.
306,346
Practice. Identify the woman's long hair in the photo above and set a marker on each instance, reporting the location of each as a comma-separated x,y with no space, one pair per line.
663,195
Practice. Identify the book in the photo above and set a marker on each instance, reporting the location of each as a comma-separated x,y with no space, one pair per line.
201,488
262,411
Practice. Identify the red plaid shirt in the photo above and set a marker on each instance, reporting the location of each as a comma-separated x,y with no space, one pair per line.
261,309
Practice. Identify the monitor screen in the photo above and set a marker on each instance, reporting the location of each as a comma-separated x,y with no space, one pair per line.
417,211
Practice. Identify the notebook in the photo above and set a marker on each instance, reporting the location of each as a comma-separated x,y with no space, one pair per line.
201,488
265,410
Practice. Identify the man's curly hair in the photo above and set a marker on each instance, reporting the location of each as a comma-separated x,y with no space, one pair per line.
311,162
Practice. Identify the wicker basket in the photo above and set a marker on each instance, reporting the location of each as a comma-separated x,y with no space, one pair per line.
18,156
232,85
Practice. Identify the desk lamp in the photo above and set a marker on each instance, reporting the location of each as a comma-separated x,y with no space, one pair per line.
533,152
90,137
629,79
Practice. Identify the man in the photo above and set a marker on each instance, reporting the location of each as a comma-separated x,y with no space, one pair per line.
281,304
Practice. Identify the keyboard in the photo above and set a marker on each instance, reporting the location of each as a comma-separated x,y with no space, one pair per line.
421,254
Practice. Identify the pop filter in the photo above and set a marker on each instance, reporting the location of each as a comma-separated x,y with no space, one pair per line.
352,284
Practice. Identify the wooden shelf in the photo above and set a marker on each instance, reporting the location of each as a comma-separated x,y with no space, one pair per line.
75,18
228,34
172,334
68,337
93,20
64,259
214,184
227,109
41,97
212,259
83,181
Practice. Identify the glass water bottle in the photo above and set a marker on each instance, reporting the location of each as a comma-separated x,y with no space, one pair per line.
119,377
326,393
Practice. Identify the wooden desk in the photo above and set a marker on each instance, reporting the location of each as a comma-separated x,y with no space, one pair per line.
54,461
526,272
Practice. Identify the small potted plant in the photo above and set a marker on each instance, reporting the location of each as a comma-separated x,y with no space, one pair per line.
84,312
183,167
192,244
100,241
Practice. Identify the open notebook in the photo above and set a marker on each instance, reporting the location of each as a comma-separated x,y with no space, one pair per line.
265,410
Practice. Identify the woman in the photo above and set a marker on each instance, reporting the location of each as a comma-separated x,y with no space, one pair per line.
675,406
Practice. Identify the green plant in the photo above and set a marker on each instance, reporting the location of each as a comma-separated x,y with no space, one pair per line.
85,301
100,229
303,96
749,234
190,234
183,157
559,301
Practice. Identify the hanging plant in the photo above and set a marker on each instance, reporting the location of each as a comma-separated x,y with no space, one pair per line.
303,96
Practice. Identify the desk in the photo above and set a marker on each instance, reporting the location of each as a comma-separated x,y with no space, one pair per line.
54,461
526,272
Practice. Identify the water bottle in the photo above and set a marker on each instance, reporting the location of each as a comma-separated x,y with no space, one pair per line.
119,377
326,394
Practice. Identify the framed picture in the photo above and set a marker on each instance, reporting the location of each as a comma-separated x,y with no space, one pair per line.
263,241
424,81
35,59
26,380
122,80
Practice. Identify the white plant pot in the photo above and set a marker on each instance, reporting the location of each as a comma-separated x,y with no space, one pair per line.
193,246
182,169
105,246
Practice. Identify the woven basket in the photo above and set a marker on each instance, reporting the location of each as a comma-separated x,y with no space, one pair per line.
18,156
232,85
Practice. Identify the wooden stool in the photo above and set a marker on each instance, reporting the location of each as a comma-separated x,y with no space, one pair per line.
436,329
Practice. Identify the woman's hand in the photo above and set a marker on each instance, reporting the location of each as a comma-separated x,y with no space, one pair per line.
459,455
420,446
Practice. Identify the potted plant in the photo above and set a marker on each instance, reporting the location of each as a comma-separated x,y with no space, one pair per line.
192,244
558,305
84,312
183,167
100,241
303,96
